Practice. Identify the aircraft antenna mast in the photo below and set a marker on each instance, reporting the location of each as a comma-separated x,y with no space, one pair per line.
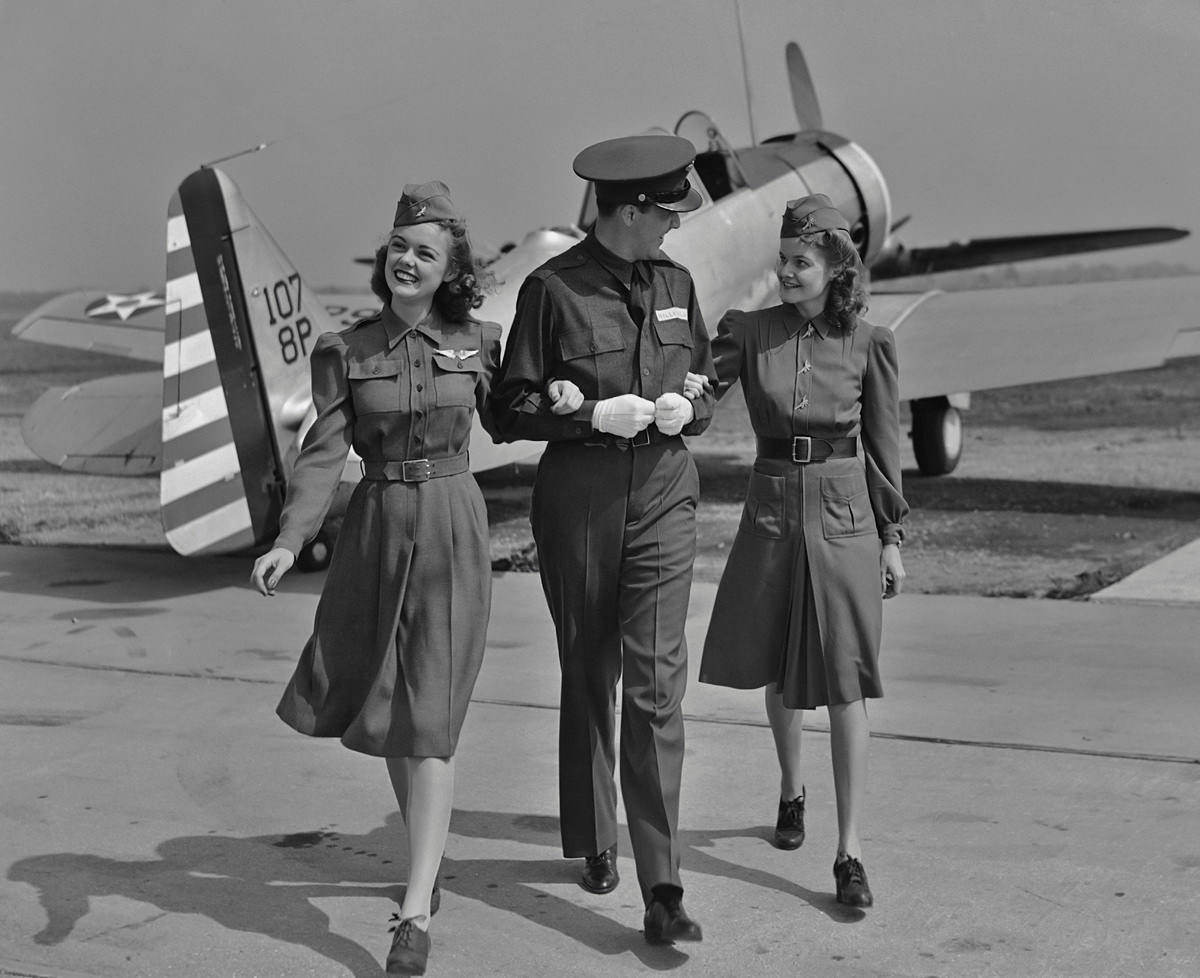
234,156
737,8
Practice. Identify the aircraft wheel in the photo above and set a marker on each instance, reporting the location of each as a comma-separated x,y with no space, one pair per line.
317,553
937,436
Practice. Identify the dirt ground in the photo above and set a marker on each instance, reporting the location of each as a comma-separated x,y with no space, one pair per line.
1063,488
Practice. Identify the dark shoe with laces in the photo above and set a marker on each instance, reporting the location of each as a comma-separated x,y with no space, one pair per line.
789,826
667,922
600,872
852,887
410,947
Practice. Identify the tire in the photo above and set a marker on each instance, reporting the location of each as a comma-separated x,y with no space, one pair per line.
317,553
937,436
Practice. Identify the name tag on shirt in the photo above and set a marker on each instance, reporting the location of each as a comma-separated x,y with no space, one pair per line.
673,313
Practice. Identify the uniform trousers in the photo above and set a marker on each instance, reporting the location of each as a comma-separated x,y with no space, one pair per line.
615,529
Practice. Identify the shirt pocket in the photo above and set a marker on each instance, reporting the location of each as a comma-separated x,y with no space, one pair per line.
375,385
455,379
765,512
845,506
587,351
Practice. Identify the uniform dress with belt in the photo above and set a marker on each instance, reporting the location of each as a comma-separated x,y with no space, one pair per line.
400,627
799,605
614,520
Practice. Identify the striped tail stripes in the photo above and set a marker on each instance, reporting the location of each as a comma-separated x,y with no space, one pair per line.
229,417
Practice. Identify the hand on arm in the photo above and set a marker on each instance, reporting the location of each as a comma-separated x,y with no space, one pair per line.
693,385
565,397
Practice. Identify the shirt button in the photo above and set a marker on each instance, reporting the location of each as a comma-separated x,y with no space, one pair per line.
592,347
376,370
646,371
420,387
459,365
416,363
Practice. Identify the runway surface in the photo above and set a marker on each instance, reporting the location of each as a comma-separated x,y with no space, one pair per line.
1033,808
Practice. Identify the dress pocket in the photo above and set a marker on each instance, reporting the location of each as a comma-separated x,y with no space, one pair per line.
455,378
845,507
765,512
375,385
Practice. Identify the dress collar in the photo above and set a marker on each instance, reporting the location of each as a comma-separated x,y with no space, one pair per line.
796,322
396,328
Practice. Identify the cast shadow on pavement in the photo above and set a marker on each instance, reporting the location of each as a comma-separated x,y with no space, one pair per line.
267,885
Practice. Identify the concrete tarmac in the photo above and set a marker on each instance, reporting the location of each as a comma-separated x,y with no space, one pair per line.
1033,806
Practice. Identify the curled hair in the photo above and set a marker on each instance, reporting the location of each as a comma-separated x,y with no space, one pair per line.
847,298
455,298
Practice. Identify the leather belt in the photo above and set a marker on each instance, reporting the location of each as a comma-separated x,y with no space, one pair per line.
416,469
802,449
649,435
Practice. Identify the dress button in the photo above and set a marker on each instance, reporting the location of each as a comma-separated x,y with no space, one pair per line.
646,371
420,387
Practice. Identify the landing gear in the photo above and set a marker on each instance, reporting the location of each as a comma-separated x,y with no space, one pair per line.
317,553
936,435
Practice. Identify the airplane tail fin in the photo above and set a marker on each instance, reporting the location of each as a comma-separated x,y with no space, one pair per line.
240,323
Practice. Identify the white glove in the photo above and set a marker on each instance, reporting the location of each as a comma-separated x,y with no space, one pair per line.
623,416
671,412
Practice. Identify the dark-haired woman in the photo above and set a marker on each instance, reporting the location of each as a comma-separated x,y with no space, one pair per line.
799,608
400,628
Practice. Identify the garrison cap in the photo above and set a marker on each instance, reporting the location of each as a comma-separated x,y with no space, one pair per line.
421,203
648,169
805,215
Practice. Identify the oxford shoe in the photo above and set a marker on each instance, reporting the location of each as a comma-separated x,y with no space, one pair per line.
600,872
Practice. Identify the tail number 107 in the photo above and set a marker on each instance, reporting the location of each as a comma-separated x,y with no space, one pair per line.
293,331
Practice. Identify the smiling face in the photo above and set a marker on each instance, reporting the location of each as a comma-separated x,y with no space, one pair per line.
804,275
416,263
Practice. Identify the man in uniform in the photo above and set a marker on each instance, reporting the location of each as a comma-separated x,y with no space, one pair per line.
614,504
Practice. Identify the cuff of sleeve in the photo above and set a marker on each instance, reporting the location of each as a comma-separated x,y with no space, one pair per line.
893,533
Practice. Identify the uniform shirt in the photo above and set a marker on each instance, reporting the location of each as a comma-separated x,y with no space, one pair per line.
808,377
573,322
394,392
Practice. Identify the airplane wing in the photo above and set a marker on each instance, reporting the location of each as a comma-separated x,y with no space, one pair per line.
110,426
121,324
978,340
131,324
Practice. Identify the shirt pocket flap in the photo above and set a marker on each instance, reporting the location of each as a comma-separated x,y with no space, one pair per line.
471,364
674,332
589,343
372,369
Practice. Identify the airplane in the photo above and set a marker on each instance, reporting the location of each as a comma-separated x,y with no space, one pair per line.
224,418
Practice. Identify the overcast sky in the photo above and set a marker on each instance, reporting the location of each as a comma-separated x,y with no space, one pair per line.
987,117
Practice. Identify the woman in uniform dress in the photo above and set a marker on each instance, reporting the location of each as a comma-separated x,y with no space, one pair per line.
400,628
799,608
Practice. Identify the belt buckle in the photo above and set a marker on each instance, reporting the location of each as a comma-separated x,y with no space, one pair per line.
416,470
797,440
641,438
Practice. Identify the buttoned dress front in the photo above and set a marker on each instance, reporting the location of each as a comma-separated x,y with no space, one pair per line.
400,627
799,605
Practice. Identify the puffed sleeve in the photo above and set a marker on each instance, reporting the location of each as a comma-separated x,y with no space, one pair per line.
881,434
318,469
519,406
702,406
729,351
489,354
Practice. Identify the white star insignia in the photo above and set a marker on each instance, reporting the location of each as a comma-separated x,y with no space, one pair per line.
123,306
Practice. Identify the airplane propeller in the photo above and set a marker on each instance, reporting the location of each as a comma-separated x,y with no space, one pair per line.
804,93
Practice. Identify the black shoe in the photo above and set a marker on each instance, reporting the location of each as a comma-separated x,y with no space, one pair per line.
410,947
667,922
600,872
789,826
852,887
